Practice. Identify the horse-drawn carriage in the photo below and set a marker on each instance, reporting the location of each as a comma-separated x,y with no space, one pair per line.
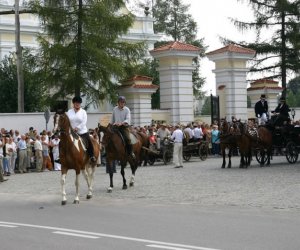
164,152
263,142
285,141
199,148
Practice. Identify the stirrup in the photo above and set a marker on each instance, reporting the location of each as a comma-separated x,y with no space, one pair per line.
57,160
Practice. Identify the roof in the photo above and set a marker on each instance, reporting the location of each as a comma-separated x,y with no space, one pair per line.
177,46
232,48
264,87
138,78
141,86
264,80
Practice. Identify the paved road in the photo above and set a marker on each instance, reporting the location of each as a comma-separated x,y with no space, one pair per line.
199,182
198,207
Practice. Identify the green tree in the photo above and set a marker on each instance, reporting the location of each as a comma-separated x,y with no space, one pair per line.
293,92
82,51
35,93
173,19
206,109
283,17
294,85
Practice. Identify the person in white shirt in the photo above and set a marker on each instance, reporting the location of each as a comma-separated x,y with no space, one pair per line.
177,137
38,153
78,120
12,151
198,133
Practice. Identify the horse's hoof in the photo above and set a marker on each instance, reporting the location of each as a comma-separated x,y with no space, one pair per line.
63,203
89,196
109,190
124,187
76,202
131,184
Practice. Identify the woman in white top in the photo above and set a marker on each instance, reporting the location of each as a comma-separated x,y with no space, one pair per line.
78,120
12,151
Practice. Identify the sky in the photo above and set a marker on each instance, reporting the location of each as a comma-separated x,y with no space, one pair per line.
212,21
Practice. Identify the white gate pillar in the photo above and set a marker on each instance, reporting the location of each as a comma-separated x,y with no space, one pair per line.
175,74
231,85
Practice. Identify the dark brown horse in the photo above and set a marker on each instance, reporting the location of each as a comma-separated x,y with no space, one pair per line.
73,156
233,137
228,141
116,150
258,139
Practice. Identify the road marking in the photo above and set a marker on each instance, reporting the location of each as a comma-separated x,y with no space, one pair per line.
166,247
190,247
76,235
3,225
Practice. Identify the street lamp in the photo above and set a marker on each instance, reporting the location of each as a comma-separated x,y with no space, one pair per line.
293,112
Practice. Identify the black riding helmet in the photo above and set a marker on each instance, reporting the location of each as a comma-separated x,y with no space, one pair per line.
77,99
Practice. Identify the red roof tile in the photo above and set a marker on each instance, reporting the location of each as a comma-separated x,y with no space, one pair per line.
232,48
141,86
264,81
177,46
258,88
145,86
138,78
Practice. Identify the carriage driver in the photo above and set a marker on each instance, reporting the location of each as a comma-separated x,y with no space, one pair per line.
281,113
78,120
121,118
261,110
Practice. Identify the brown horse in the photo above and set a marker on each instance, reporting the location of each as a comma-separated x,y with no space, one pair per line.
228,141
257,139
263,144
115,149
73,156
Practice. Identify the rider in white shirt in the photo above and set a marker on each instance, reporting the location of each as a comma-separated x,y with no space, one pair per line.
78,120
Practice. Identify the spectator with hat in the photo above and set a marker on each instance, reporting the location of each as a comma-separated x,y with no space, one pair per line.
261,110
162,133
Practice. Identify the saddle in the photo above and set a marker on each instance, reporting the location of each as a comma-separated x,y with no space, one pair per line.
77,138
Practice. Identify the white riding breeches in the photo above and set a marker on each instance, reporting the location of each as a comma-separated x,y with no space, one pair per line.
263,119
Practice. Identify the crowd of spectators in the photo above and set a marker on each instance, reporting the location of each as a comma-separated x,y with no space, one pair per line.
32,151
197,131
37,151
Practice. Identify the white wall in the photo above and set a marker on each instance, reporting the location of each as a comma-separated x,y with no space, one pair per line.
23,122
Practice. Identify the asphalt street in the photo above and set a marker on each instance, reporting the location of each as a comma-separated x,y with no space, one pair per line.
200,206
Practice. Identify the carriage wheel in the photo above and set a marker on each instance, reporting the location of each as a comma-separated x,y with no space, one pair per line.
291,152
203,152
151,159
167,157
186,156
261,157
